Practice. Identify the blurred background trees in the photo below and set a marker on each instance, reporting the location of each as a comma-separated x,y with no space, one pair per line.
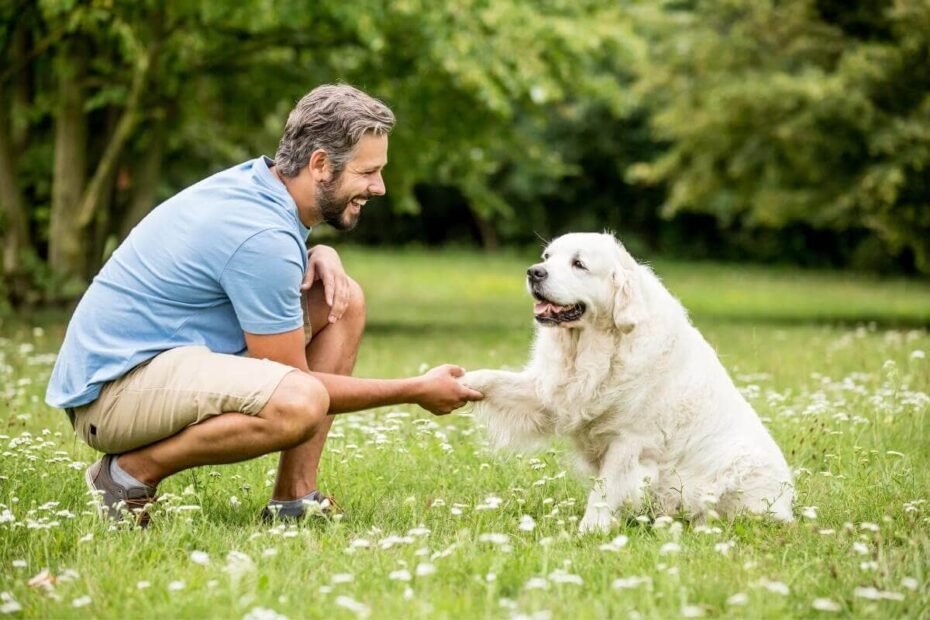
793,131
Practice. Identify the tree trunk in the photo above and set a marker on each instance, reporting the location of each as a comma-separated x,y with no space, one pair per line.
96,189
145,178
487,232
17,242
65,254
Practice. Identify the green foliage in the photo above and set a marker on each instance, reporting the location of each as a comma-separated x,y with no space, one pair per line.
793,131
779,112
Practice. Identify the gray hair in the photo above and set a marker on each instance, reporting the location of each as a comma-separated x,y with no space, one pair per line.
332,117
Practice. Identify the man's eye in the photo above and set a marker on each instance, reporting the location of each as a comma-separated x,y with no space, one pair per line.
577,264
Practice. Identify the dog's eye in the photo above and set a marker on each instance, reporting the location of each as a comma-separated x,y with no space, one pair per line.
577,264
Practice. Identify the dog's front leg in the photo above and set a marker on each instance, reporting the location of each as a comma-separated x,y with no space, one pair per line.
511,409
623,478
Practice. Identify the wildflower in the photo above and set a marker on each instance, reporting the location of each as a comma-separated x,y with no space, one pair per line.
238,564
176,586
874,594
425,569
142,585
391,541
262,613
860,548
527,523
19,564
629,583
809,512
740,598
776,587
494,539
44,579
669,548
662,522
616,544
692,611
8,604
342,578
723,548
536,583
400,575
825,604
359,609
490,503
561,576
910,583
200,557
82,601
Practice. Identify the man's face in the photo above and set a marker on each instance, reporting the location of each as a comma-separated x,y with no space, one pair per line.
340,200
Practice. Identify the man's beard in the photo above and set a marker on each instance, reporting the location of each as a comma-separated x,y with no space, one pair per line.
333,206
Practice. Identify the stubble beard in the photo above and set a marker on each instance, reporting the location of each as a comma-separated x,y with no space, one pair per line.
333,207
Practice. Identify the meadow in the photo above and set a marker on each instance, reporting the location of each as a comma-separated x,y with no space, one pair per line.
437,526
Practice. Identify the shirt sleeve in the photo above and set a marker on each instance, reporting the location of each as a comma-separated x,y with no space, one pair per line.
262,280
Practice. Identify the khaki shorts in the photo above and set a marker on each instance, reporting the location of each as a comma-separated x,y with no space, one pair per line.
172,391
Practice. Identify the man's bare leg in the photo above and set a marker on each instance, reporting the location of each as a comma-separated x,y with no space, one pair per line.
332,349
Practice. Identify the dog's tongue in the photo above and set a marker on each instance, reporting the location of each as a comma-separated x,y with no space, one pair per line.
544,308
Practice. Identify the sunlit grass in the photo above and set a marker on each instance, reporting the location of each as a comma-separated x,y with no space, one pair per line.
433,525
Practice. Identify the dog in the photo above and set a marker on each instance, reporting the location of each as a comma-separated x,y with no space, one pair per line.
618,368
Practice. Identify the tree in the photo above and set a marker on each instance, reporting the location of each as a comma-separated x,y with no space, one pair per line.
778,112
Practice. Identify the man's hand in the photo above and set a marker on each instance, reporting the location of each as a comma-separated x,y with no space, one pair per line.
440,393
323,264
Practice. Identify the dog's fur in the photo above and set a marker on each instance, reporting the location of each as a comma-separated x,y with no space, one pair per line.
638,391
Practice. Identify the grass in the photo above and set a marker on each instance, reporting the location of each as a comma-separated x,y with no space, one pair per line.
838,366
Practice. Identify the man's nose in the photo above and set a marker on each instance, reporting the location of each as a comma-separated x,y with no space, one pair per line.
377,188
536,273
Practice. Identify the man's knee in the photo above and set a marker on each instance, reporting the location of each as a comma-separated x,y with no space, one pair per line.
296,408
356,308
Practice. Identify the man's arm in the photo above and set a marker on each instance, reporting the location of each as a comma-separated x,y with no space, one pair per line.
437,391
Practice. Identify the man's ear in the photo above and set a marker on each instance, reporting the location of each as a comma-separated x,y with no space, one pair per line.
320,166
629,309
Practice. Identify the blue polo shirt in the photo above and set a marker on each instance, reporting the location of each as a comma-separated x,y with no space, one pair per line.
222,257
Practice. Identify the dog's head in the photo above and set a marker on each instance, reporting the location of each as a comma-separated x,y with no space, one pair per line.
586,279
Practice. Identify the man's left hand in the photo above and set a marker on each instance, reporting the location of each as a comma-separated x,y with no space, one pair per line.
323,264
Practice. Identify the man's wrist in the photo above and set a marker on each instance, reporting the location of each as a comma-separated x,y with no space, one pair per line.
414,389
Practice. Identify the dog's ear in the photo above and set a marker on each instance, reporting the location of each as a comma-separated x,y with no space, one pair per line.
629,309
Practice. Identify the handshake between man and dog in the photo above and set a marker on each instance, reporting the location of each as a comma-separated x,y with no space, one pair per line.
619,369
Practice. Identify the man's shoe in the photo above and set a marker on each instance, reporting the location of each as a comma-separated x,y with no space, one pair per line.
115,501
313,504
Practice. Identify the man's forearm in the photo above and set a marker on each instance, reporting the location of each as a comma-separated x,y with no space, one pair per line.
347,394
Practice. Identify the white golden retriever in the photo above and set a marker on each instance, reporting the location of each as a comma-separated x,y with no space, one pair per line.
619,369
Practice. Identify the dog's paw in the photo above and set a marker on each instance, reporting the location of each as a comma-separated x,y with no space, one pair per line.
596,521
480,380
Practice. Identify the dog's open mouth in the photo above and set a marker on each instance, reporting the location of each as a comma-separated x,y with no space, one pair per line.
549,313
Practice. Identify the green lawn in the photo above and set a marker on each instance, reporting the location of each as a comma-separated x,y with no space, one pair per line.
838,366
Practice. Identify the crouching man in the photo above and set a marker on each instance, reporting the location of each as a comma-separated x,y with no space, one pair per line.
153,371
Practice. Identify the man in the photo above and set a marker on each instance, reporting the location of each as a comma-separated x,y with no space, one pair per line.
151,371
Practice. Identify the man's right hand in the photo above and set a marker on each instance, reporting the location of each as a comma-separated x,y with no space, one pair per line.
440,393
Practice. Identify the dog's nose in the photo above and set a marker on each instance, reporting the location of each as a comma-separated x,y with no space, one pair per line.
536,273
